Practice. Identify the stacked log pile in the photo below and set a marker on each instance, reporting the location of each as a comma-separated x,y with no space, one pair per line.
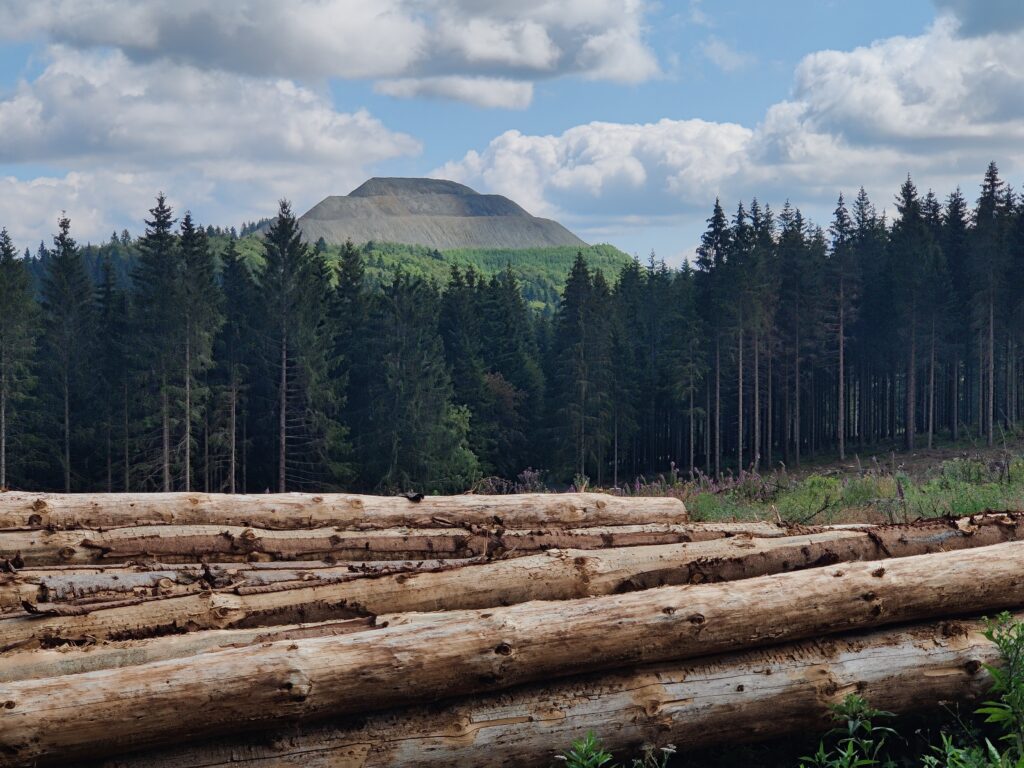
339,630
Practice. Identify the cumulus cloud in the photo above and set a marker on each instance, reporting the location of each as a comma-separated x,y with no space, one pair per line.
480,91
395,40
982,17
938,105
223,142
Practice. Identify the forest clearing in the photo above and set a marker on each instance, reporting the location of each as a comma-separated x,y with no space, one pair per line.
474,630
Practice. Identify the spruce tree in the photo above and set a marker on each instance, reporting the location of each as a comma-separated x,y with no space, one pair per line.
113,368
18,331
159,326
201,301
68,327
308,439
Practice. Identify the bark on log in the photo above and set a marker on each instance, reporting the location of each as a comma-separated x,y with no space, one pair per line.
189,543
557,575
465,652
341,510
728,699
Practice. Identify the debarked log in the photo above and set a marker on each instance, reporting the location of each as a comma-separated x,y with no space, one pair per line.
742,697
556,575
340,510
464,652
190,543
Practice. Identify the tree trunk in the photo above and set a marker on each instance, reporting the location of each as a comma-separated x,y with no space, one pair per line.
841,397
718,409
796,401
188,407
20,509
233,440
3,429
466,652
910,428
67,434
166,422
739,405
189,543
956,398
757,401
282,427
990,405
291,597
720,701
931,389
124,414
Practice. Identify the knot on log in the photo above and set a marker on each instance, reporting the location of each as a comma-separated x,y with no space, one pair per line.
296,686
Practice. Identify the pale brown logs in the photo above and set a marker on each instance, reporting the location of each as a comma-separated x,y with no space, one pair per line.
338,510
746,696
464,652
556,575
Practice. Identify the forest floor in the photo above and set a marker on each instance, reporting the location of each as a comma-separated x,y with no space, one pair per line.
883,484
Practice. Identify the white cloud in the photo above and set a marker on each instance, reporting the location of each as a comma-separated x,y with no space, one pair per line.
479,91
724,56
981,17
353,39
938,105
225,143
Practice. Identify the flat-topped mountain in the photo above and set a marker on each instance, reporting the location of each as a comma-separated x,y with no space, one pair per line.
432,212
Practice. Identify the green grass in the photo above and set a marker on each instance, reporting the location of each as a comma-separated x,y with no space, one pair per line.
957,487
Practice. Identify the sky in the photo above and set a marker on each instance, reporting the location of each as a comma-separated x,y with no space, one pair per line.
623,119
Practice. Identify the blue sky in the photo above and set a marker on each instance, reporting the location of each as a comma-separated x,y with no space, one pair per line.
624,119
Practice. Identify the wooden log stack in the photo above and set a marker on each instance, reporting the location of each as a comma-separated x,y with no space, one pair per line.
186,630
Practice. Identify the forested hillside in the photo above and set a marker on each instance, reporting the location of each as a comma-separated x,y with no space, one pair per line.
173,361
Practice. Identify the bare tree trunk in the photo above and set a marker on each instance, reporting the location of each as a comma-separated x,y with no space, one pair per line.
956,398
457,653
739,405
910,428
770,424
757,400
708,463
796,400
282,434
125,428
692,435
67,433
166,416
990,410
841,398
931,389
718,408
233,440
188,407
3,428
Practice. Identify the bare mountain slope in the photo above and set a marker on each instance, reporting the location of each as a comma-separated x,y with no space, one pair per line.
432,212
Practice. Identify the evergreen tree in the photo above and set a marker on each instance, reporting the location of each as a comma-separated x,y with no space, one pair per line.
68,327
234,347
157,310
417,437
18,330
308,437
112,366
201,301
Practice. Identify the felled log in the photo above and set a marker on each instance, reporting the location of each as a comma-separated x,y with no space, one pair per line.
73,659
111,583
729,699
340,510
189,543
464,652
557,575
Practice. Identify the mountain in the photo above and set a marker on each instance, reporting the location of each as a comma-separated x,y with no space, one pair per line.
435,213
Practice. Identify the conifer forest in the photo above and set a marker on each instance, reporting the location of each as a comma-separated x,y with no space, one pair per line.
170,362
